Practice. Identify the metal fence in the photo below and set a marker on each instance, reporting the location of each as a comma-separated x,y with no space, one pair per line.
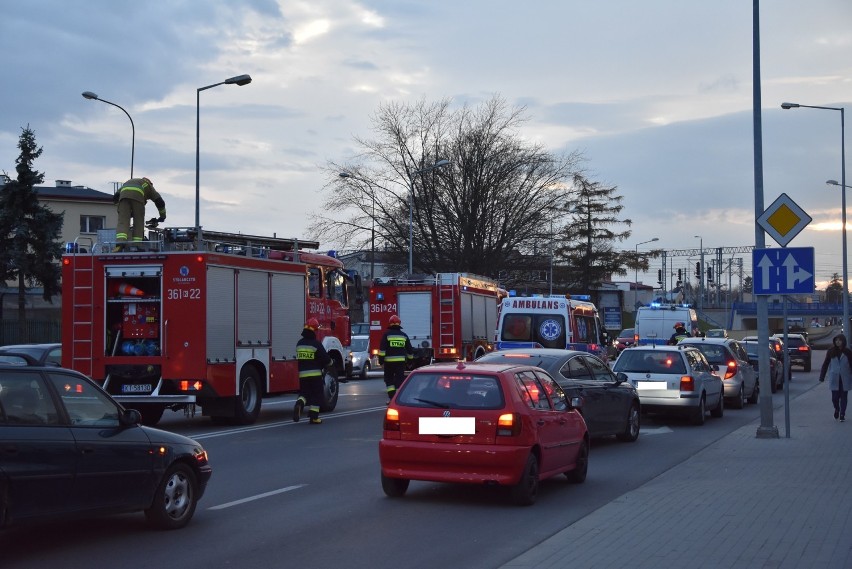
37,332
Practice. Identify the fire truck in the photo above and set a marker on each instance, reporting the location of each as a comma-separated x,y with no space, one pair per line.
209,320
448,316
556,321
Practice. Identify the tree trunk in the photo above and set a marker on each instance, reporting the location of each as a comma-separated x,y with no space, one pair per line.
22,308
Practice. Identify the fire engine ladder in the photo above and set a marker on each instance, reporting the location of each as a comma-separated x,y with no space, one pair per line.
82,281
446,313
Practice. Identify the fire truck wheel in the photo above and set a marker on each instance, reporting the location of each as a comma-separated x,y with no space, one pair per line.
330,390
175,500
247,402
151,414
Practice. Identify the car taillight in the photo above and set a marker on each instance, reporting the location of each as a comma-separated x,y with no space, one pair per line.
731,370
687,383
804,348
391,419
509,425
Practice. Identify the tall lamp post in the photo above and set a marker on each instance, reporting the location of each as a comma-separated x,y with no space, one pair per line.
636,273
411,175
701,273
93,97
373,217
845,295
237,80
788,106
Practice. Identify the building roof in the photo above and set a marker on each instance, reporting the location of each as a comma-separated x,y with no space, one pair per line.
63,190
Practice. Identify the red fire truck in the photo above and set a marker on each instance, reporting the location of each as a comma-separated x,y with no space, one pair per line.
449,316
209,321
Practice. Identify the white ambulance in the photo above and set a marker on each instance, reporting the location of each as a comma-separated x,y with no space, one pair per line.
555,321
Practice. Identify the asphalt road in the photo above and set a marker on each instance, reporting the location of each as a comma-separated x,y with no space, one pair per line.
294,494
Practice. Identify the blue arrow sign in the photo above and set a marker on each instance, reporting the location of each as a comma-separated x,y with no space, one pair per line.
789,270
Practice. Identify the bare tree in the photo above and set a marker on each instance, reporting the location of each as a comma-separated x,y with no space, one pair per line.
495,200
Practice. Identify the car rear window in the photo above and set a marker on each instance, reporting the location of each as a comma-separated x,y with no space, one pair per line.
650,361
451,391
716,355
793,342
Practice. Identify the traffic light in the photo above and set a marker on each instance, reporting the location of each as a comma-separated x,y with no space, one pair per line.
660,276
679,275
698,269
710,274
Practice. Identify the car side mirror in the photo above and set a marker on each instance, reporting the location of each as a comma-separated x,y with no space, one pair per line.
576,403
621,377
130,417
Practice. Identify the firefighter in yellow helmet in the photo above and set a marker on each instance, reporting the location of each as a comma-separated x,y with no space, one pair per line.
395,352
313,359
132,197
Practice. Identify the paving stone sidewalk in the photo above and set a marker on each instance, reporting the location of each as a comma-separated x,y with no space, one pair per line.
742,502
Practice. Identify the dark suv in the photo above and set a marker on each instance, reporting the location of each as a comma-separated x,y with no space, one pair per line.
798,350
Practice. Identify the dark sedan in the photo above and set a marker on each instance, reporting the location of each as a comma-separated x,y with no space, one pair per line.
101,461
49,354
610,406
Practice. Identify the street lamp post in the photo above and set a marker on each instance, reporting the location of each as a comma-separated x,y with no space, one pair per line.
636,273
411,175
845,295
700,273
236,80
788,106
93,97
373,227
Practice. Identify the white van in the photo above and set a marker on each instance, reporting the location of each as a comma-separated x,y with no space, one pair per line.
655,323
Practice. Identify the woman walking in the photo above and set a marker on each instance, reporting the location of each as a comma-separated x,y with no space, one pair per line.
838,367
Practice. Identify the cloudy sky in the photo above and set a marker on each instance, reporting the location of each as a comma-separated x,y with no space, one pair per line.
657,94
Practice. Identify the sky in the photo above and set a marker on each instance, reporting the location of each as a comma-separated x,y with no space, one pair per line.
657,94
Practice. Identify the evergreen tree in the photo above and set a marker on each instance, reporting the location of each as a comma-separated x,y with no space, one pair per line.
587,256
834,290
30,249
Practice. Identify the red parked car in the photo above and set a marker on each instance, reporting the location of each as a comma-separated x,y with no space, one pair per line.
504,424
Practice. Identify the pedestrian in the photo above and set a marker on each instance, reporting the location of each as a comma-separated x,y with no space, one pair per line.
131,199
313,359
838,368
395,352
680,332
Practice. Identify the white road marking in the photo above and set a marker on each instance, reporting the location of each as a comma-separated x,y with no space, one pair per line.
655,430
286,423
258,497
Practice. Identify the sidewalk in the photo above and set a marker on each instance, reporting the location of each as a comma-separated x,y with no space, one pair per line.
742,502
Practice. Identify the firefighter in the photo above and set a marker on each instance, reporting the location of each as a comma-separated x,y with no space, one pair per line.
395,352
131,199
680,332
313,359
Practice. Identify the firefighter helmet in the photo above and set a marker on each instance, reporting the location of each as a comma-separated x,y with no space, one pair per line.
679,325
312,324
394,321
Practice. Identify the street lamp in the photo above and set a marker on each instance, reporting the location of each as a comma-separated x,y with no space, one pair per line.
93,97
788,106
237,80
845,295
411,175
701,273
636,272
373,228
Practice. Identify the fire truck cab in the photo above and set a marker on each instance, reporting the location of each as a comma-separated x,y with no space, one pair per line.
210,321
555,321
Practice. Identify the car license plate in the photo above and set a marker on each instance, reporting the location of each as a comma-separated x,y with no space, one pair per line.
650,385
447,426
136,388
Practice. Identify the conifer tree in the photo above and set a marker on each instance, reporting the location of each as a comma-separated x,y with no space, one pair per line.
30,249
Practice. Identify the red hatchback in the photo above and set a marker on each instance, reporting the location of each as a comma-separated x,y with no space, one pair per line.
503,424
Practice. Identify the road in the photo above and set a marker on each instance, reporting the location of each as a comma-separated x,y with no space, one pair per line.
294,494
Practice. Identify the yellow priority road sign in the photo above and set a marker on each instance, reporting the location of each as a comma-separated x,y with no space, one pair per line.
783,220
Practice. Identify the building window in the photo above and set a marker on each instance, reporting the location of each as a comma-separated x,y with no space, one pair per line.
91,223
